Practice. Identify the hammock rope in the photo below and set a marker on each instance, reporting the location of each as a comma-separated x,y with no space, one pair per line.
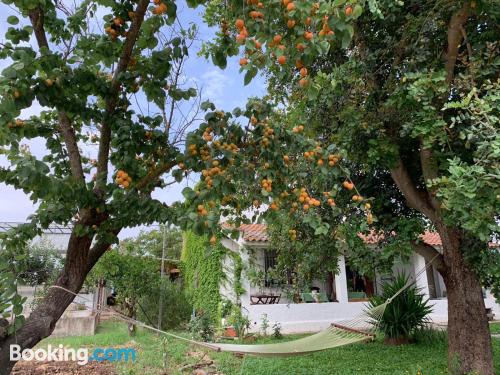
360,328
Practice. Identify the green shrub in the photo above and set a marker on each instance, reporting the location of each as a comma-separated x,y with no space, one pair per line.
202,327
176,308
406,314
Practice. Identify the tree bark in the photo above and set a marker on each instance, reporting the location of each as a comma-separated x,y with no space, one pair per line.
469,341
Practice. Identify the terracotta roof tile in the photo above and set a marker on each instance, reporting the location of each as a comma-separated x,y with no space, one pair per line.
254,232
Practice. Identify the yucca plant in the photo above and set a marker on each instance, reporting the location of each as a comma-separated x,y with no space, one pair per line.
406,314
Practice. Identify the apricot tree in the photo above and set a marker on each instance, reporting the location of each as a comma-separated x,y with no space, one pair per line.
409,90
107,76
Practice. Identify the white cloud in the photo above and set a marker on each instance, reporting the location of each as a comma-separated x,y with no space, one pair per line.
214,85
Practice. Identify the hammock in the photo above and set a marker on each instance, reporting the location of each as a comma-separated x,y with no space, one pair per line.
358,329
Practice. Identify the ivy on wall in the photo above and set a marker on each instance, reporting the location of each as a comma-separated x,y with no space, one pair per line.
203,273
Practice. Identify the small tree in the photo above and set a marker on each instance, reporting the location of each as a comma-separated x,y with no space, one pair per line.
405,314
131,276
40,263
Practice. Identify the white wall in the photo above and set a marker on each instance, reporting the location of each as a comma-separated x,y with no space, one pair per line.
313,317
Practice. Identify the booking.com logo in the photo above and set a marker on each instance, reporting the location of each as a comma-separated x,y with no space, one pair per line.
82,356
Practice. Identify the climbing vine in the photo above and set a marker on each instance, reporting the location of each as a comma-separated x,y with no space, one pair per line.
238,288
203,273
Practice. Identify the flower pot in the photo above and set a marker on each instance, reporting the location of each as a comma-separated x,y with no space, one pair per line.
230,332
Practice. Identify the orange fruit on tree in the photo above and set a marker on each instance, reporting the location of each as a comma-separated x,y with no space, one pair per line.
303,72
348,10
290,6
240,38
303,82
308,35
308,21
239,24
243,61
282,60
290,24
258,44
277,39
348,185
300,47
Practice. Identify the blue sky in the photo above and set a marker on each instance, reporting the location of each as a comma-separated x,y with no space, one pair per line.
223,87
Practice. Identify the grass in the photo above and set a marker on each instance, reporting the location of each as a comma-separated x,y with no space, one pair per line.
495,327
359,359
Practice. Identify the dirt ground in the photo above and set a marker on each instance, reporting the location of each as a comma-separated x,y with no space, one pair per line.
62,368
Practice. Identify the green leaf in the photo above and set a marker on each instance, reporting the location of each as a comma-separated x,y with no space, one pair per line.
249,75
13,20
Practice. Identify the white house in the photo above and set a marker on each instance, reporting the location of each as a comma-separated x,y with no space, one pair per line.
344,295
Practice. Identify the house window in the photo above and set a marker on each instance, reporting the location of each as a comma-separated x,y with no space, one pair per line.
269,263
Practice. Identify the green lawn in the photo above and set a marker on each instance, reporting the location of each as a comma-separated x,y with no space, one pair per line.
359,359
495,327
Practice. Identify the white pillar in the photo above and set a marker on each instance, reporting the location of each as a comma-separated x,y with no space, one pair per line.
421,280
341,281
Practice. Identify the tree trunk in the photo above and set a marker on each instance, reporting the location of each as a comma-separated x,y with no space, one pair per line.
80,258
469,341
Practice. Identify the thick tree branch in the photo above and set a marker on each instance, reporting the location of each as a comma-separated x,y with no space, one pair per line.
155,174
105,140
37,20
430,172
430,254
414,197
66,130
75,160
455,37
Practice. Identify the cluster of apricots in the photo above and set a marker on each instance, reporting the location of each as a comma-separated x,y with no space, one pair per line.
192,150
243,33
325,30
329,199
115,29
306,200
231,147
16,124
202,211
274,206
357,198
267,184
267,136
160,7
292,18
207,134
298,129
208,174
123,179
